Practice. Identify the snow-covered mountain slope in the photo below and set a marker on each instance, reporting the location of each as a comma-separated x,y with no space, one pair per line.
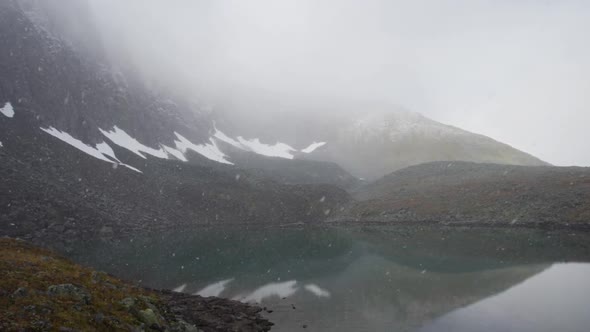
210,150
93,105
88,148
52,65
56,187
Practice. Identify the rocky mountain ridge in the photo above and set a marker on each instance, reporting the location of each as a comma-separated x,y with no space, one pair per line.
470,194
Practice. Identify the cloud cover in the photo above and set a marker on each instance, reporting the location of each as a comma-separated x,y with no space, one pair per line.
518,71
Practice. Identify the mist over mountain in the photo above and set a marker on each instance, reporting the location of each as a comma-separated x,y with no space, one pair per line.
89,150
513,71
371,139
111,92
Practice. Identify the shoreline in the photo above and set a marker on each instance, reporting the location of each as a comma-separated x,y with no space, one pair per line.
42,290
583,227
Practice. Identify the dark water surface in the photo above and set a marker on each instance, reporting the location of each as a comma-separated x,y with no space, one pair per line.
371,278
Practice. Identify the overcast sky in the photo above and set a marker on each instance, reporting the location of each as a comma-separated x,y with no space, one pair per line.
518,70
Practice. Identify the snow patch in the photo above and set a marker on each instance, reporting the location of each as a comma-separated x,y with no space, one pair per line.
122,139
7,110
313,146
175,153
179,289
214,289
76,143
282,289
317,291
100,152
128,166
106,150
224,138
279,149
209,150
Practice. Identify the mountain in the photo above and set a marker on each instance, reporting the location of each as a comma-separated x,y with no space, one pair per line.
370,140
87,100
470,193
374,144
88,149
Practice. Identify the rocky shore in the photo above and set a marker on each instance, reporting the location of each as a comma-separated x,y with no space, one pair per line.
41,291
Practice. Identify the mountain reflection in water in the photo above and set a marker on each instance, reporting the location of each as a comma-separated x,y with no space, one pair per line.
370,278
556,299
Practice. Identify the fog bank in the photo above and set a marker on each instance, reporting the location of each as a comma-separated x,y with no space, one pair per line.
518,71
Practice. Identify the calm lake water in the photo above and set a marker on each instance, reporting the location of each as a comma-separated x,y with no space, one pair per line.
371,278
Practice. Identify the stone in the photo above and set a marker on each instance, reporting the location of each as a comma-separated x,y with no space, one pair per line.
67,329
98,277
20,292
148,317
70,290
99,318
128,302
186,327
